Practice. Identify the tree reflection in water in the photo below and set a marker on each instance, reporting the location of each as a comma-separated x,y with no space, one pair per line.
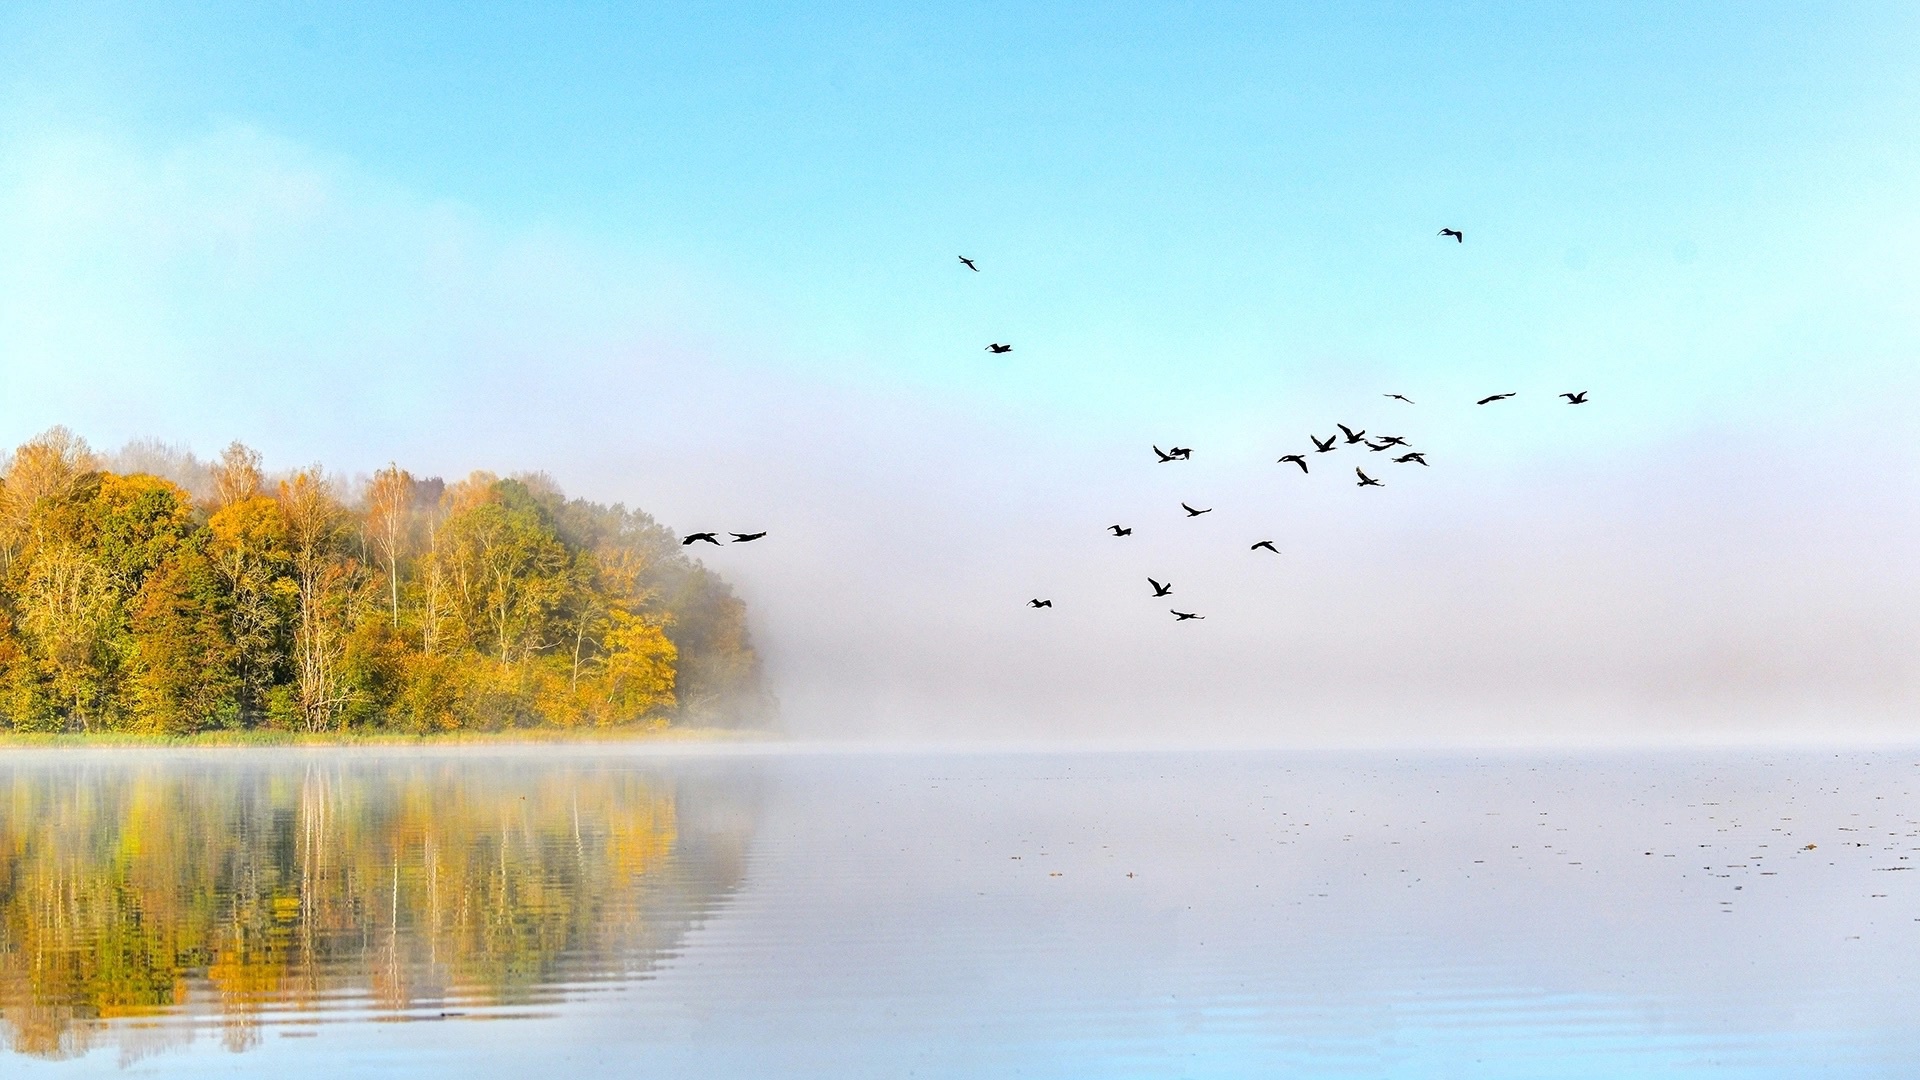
249,892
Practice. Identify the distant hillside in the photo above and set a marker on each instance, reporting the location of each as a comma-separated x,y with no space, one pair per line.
157,593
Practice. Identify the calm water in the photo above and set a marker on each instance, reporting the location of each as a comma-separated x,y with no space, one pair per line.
623,913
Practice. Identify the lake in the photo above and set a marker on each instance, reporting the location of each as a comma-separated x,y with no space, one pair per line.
633,911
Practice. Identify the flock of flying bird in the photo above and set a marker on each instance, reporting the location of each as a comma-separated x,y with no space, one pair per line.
1347,437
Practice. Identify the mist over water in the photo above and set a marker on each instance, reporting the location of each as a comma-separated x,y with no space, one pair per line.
1609,587
743,912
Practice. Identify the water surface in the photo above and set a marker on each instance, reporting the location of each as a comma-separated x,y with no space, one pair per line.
623,912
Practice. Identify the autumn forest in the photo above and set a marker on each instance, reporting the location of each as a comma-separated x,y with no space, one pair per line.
150,592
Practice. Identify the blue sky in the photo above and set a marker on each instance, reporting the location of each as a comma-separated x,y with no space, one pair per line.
651,249
1249,193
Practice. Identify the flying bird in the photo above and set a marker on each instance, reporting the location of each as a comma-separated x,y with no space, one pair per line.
1352,435
1576,399
1392,440
1268,544
996,348
1458,236
1415,456
706,536
747,538
1118,531
1297,459
1367,481
1376,447
1039,603
1492,398
969,263
1183,616
1191,512
1159,589
1320,447
1399,397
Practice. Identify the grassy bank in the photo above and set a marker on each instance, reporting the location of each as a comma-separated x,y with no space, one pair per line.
530,736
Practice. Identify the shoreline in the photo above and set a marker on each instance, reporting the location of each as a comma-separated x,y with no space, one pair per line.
270,739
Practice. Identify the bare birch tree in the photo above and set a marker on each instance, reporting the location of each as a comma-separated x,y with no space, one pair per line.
388,521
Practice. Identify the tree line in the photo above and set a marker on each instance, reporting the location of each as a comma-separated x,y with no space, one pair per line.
129,602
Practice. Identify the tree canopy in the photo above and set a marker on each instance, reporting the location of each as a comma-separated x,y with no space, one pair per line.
129,603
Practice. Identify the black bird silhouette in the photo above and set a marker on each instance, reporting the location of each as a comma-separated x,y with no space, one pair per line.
1320,447
1039,603
1458,236
1376,447
1415,456
1191,512
1492,398
1576,399
1399,397
1268,544
747,538
1352,435
996,348
691,537
1392,440
1367,481
1297,459
1118,531
969,263
1183,616
1159,589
